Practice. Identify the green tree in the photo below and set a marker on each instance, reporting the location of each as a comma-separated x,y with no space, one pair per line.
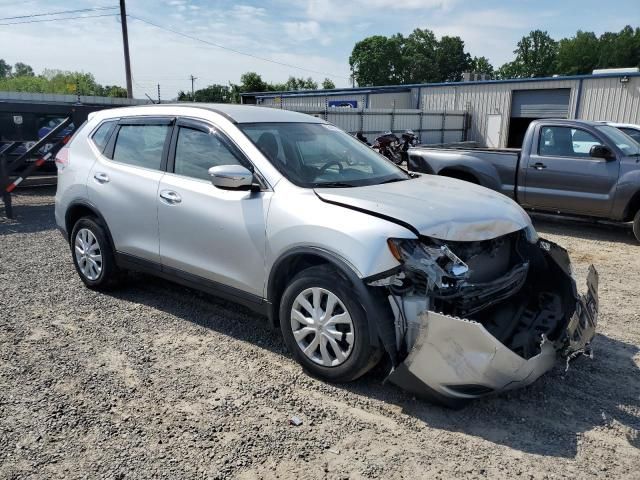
579,54
377,60
481,65
327,84
22,70
420,55
294,83
5,69
452,59
114,91
620,49
535,57
252,82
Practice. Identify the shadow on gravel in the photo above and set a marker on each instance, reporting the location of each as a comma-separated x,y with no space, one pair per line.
32,211
546,418
583,229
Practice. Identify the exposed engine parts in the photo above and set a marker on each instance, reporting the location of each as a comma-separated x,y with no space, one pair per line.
516,289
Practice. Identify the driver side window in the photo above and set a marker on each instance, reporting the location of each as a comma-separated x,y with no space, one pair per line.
198,151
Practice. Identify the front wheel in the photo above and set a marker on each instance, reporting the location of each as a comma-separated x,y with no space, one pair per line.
636,225
325,327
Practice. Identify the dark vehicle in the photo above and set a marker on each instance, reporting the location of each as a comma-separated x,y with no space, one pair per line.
389,146
565,166
28,128
360,136
409,139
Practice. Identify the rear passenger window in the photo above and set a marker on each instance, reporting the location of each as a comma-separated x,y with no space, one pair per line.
197,152
101,136
140,145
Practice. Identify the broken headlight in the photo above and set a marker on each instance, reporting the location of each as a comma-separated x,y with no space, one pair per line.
443,268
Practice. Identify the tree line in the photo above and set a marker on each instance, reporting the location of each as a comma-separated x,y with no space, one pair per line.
21,78
421,57
250,82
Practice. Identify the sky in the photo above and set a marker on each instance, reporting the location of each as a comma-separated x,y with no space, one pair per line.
312,37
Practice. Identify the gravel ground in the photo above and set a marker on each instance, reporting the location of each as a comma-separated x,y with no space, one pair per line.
156,380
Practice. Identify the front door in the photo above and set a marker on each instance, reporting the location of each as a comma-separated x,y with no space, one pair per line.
562,176
205,232
123,184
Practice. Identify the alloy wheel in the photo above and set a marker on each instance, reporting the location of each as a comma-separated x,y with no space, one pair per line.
88,254
322,327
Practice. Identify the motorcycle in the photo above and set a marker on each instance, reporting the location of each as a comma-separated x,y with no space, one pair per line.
388,145
394,148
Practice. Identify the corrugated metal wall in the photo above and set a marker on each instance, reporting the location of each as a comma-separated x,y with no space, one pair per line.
604,98
609,99
487,98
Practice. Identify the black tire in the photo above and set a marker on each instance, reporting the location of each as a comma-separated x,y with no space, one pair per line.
636,225
109,275
363,355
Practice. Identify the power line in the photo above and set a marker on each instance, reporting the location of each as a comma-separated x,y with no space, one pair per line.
60,19
206,42
60,12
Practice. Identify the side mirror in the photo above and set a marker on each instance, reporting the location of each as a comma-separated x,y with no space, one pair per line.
231,177
600,151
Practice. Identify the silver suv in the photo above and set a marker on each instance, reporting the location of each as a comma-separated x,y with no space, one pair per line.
352,257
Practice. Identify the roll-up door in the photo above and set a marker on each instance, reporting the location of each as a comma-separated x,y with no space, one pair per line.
552,103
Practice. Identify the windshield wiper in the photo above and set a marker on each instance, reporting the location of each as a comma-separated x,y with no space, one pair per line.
333,185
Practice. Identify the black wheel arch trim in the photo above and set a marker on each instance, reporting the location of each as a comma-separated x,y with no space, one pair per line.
380,325
90,206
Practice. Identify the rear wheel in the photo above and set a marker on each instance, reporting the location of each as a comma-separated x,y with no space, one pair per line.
92,254
636,225
325,327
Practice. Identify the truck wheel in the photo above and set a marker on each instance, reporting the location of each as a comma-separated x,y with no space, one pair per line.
92,255
636,225
324,326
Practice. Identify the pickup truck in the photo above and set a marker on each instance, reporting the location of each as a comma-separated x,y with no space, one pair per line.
572,167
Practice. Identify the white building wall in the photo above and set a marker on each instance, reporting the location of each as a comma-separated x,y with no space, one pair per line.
609,99
484,99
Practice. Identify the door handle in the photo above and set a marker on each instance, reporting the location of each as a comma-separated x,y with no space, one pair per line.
170,196
101,177
538,166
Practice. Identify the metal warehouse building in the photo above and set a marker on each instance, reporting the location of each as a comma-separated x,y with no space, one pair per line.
493,113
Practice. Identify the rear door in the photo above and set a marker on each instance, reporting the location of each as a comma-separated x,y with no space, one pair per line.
562,176
123,184
207,233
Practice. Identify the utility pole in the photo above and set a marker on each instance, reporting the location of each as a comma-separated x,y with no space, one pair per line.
159,93
193,95
125,41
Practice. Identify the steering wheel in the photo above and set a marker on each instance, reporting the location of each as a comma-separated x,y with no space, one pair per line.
324,168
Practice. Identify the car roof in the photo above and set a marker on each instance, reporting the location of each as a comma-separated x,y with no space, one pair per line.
238,113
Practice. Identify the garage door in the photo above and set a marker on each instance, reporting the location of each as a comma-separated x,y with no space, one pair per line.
552,103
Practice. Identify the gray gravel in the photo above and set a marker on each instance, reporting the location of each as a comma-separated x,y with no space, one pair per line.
155,380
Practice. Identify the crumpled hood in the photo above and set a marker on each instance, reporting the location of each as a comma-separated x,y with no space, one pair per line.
437,207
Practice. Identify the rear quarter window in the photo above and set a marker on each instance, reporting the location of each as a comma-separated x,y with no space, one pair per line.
101,136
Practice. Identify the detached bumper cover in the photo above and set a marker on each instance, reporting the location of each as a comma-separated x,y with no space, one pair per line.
454,358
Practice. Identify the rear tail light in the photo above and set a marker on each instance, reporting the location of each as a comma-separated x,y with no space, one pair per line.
62,158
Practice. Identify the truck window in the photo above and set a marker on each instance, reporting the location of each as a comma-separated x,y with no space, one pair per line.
565,142
633,133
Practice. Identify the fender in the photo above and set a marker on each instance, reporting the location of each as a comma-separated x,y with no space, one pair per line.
380,326
87,204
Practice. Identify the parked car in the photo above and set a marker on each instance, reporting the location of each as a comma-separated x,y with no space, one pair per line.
630,129
565,166
348,254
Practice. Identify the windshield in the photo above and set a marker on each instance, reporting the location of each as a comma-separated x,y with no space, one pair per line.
320,155
623,141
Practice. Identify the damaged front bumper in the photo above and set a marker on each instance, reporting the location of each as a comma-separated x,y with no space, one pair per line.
452,360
